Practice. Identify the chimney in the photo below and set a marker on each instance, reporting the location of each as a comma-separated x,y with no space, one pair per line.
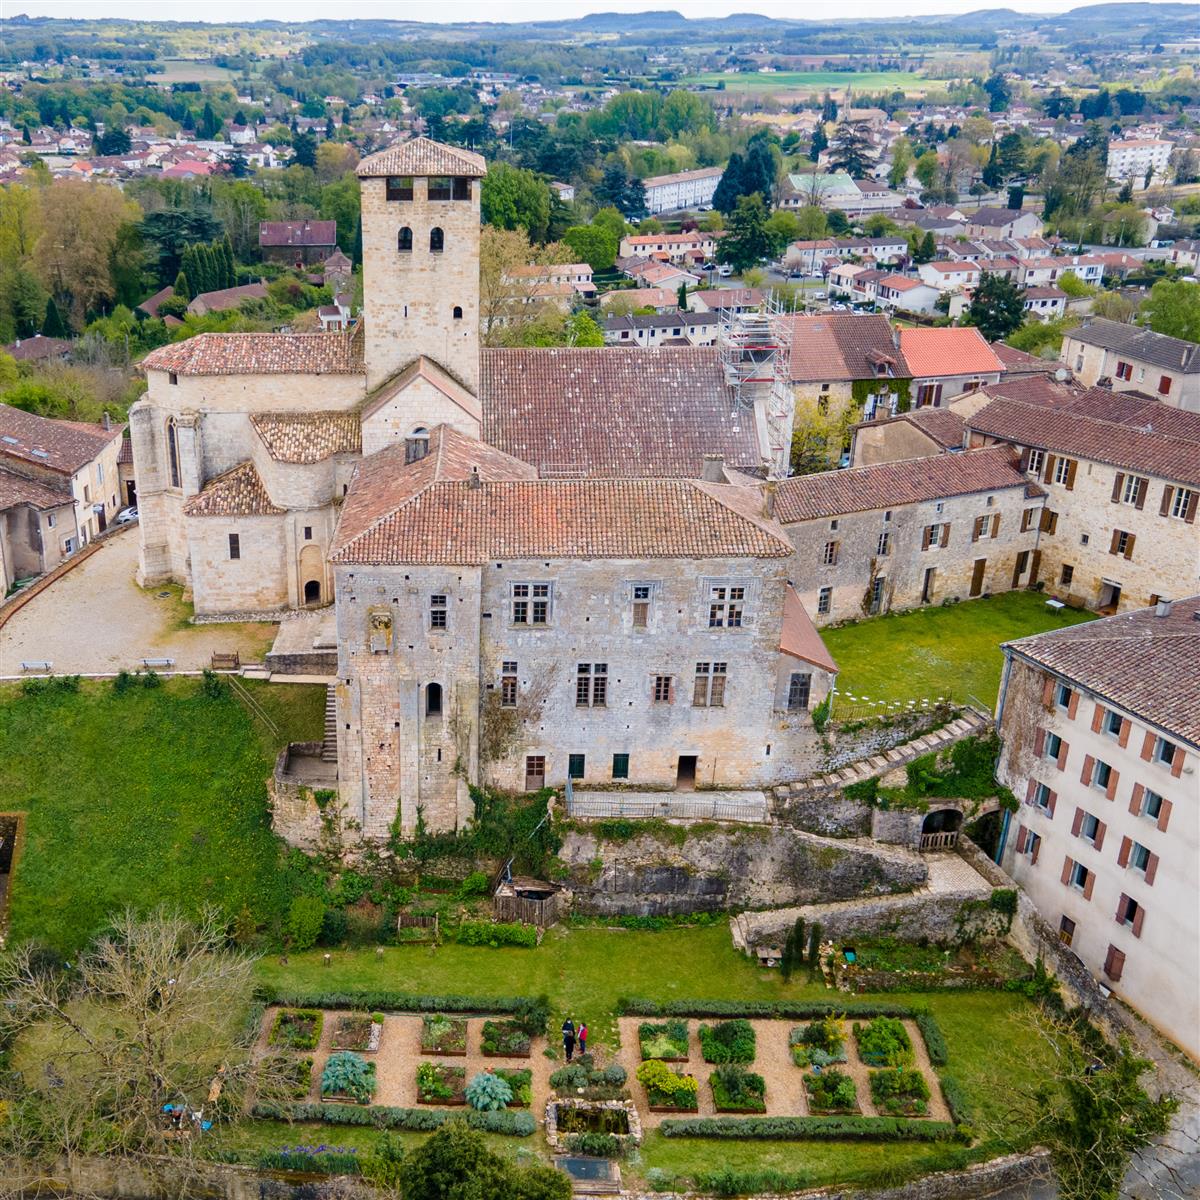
769,499
714,469
473,480
1162,608
106,421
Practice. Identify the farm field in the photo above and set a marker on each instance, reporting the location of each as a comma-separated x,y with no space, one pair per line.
815,81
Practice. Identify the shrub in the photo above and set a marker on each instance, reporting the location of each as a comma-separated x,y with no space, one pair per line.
520,1080
347,1074
877,1129
664,1041
505,1039
383,1164
832,1091
960,1106
665,1087
393,1001
212,686
736,1088
900,1092
497,933
488,1093
728,1042
474,886
304,921
151,679
329,1160
599,1145
297,1028
123,683
935,1042
581,1075
884,1042
532,1013
820,1043
415,1120
795,1009
436,1081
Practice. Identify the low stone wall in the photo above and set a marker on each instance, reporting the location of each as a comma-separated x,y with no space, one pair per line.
306,662
727,868
295,814
848,745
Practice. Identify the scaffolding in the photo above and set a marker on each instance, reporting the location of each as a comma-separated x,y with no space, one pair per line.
756,354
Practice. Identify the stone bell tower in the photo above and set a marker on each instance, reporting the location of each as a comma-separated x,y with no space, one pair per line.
420,246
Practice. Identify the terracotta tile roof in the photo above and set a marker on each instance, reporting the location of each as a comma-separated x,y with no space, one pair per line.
422,156
308,437
261,354
1141,662
1018,360
799,636
238,492
426,369
942,352
1146,413
297,233
150,305
16,489
125,454
453,522
1041,389
889,485
942,424
617,411
838,346
1169,353
62,446
1074,433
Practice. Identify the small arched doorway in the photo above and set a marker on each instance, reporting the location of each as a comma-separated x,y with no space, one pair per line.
939,830
312,592
312,576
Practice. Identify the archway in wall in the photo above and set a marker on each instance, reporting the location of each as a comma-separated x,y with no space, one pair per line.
312,576
939,830
312,592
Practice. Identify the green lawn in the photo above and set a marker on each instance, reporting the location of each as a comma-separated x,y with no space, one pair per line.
154,796
931,652
798,81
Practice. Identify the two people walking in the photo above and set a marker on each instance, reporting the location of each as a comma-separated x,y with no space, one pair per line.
573,1036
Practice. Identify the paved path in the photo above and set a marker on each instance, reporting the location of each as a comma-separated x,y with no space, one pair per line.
95,619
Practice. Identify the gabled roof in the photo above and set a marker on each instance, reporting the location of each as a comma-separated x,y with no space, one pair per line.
308,437
1147,664
422,156
62,446
297,233
617,411
238,492
843,346
799,637
261,354
1019,361
932,353
16,489
426,369
891,484
994,217
943,425
1169,353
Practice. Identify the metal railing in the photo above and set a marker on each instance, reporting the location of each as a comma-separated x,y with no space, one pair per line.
693,807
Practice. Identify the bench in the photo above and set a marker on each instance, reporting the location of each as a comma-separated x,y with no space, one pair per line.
227,662
37,666
158,662
1055,604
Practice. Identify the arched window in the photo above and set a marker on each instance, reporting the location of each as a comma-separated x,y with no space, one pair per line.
458,312
416,445
433,700
173,452
437,240
404,241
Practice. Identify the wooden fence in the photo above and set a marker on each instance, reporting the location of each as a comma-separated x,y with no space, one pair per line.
542,913
418,921
939,841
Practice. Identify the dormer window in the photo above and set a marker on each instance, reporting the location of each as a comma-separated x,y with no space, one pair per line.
399,187
416,445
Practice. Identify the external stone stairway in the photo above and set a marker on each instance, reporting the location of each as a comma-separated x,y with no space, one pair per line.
970,723
329,742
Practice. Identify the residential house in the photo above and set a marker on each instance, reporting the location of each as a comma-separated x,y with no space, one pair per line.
914,434
662,329
1100,730
38,349
1140,162
902,293
687,248
224,299
659,299
948,276
990,222
833,190
1129,358
726,300
297,243
947,362
1039,272
1047,302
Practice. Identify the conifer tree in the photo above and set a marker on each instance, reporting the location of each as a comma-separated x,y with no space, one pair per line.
53,325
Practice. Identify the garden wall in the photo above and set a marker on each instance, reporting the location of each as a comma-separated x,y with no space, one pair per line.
861,739
829,815
678,871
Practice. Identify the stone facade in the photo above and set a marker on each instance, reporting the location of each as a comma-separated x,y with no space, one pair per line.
1124,371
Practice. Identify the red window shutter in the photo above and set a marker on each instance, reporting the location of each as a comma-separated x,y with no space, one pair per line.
1062,755
1048,690
1073,706
1151,869
1051,803
1148,746
1077,823
1164,815
1030,788
1101,830
1177,762
1110,792
1088,884
1067,865
1097,718
1085,776
1114,963
1126,729
1123,853
1138,918
1142,488
1039,743
1165,506
1118,484
1129,541
1122,909
1135,801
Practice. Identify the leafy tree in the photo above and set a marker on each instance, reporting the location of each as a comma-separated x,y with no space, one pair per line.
114,141
52,323
997,308
926,169
999,96
622,190
993,176
784,227
609,218
339,202
1010,155
838,222
1073,285
593,245
1173,308
1113,306
747,240
304,921
811,223
850,150
902,160
580,330
513,198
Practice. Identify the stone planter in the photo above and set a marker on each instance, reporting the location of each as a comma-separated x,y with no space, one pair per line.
558,1141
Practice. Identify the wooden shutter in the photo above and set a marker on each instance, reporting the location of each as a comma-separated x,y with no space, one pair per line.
1024,458
1148,746
1151,869
1051,803
1142,488
1165,506
1066,871
1126,728
945,535
1114,963
1122,909
1097,718
1022,834
1062,755
1073,705
1037,849
1101,830
1030,788
977,529
925,538
1189,513
1111,791
995,524
1077,822
1129,545
1164,815
1118,484
1085,776
1112,545
1135,801
1177,763
1070,480
1048,690
1039,743
1026,518
1088,884
1048,471
1138,918
1123,853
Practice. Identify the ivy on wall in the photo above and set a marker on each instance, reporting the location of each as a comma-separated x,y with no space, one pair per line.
863,389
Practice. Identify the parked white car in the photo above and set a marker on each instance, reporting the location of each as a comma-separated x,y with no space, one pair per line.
127,516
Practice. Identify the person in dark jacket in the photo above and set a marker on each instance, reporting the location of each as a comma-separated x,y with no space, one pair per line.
568,1034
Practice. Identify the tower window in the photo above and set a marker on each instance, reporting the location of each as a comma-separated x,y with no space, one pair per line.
404,241
399,187
440,187
458,312
173,453
437,240
433,700
462,188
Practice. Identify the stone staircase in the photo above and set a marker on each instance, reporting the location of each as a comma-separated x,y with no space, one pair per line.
329,743
970,723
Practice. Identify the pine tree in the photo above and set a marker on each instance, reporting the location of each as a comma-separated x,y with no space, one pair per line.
181,286
731,186
851,151
820,143
53,324
230,262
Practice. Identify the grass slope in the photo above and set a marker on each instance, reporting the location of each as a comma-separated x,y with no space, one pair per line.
151,797
930,652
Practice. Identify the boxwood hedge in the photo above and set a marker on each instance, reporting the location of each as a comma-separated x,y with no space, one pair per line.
393,1001
415,1120
876,1129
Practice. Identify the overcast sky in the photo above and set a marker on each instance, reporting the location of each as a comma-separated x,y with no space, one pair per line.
489,10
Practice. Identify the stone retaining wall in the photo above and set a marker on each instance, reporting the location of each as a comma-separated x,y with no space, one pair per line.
295,814
831,815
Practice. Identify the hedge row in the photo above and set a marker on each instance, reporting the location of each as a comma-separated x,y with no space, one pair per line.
790,1009
876,1129
392,1001
961,1109
935,1043
415,1120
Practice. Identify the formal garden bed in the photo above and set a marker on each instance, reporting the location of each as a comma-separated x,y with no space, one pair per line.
668,1090
296,1028
830,1091
736,1090
584,1079
520,1083
900,1092
505,1039
295,1074
441,1034
357,1031
728,1042
668,1042
886,965
884,1042
601,1127
819,1043
439,1083
347,1078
